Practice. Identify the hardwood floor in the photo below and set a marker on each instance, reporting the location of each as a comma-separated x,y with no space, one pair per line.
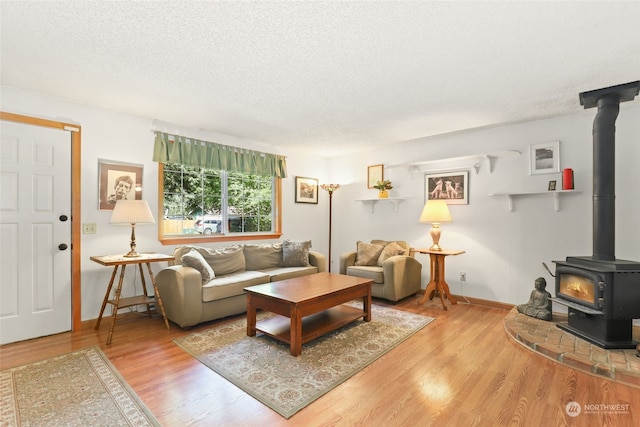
461,370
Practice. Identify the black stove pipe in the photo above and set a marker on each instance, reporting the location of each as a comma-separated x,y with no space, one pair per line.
604,163
604,178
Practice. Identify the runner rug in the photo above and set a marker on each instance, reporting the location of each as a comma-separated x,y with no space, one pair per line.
76,389
265,369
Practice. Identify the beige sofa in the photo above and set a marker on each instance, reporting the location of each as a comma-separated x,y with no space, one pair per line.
396,274
191,296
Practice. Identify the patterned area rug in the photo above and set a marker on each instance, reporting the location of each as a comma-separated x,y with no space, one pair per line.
265,369
76,389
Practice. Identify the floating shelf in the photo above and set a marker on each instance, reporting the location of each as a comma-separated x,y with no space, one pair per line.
371,203
556,195
474,160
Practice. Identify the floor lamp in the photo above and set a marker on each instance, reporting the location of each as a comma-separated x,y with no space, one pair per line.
330,189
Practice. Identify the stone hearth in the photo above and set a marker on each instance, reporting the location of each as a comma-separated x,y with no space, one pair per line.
545,338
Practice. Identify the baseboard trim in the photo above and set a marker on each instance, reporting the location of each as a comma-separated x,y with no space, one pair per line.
484,302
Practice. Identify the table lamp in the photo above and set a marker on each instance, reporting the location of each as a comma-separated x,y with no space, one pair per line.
435,212
132,212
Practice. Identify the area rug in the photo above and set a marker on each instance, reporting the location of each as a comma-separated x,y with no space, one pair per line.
265,369
76,389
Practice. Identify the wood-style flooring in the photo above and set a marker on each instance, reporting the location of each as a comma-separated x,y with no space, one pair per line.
461,370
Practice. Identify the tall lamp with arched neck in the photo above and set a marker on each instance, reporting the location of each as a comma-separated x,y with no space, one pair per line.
435,212
330,188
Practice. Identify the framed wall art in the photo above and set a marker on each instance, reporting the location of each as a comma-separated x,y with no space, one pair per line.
306,190
453,187
544,158
375,173
118,181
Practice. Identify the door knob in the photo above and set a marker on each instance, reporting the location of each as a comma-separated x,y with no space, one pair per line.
63,218
63,246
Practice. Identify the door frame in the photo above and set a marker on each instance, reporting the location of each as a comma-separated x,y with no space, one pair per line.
76,306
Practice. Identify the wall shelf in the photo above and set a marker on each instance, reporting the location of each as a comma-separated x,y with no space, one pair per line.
371,203
556,195
452,163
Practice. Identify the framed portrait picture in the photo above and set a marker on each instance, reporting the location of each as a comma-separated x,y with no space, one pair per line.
306,190
552,185
544,158
375,173
118,181
453,187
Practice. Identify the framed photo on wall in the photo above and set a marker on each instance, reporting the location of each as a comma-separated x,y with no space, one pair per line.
118,181
375,173
453,187
306,190
544,158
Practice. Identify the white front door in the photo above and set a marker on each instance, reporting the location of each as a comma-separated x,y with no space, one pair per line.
35,231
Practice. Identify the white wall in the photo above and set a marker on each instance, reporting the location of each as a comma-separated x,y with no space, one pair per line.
504,250
125,138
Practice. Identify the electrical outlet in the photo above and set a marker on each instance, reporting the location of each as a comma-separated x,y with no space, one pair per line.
463,276
89,228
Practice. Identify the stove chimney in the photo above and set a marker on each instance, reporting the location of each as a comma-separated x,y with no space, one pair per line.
604,142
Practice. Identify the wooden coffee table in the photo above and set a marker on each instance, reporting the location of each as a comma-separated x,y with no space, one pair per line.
308,307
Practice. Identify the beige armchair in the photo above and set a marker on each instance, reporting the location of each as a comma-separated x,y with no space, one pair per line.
396,274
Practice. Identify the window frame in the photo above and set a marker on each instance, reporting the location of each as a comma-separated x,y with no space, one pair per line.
188,239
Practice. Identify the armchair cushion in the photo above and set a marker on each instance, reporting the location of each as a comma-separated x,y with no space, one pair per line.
194,259
368,253
392,249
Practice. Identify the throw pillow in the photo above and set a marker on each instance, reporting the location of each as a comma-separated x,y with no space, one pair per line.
295,254
392,249
194,259
368,253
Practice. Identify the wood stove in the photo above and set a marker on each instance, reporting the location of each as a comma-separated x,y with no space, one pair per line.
602,293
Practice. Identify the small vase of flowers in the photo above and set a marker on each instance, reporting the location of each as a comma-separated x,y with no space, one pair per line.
383,187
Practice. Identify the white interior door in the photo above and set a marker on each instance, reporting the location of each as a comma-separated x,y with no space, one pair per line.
35,227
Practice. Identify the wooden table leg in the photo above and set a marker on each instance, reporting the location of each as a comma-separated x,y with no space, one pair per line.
295,344
106,298
144,286
366,302
156,292
116,302
251,317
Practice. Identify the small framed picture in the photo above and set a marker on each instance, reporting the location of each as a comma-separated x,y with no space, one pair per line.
375,173
552,186
544,158
118,181
306,190
453,187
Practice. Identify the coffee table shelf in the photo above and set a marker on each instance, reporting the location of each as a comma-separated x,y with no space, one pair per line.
313,326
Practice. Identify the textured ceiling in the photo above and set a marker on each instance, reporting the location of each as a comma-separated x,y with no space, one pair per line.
327,77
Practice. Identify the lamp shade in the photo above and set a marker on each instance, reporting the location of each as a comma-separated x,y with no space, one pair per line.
132,212
435,211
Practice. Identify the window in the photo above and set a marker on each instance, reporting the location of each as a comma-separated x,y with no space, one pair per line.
214,205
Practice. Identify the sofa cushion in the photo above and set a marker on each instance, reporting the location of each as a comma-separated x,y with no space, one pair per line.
368,253
283,273
374,273
223,260
232,285
295,254
194,259
261,256
392,249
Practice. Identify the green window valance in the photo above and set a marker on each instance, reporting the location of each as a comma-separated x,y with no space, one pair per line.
192,152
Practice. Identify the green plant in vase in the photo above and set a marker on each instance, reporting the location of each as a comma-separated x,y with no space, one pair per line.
383,187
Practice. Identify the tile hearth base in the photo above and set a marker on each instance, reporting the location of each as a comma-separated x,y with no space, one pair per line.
545,338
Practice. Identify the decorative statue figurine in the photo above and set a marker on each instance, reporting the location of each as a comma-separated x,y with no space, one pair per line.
539,304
